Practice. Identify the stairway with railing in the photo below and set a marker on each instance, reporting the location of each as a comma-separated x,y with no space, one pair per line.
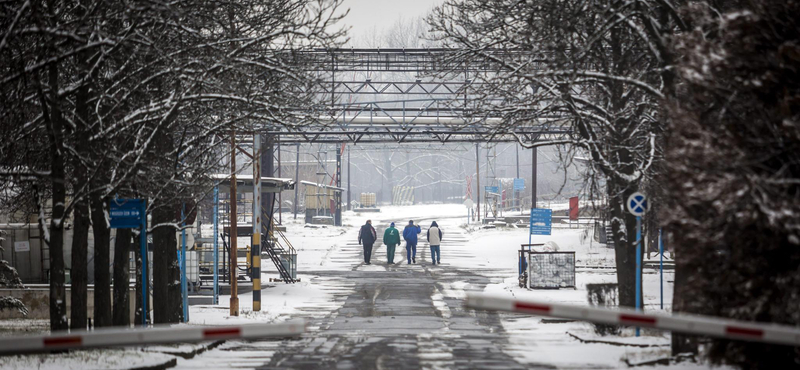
278,248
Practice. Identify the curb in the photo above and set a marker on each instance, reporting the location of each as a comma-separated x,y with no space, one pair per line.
166,365
191,354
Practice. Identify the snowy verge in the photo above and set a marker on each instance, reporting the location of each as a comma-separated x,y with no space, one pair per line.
112,359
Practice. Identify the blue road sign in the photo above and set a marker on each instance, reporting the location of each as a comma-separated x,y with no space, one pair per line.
519,184
491,189
541,222
125,213
637,204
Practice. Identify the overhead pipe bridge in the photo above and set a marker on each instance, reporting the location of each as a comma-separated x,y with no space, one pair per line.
410,96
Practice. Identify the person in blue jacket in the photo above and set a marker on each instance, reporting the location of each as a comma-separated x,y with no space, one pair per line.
410,235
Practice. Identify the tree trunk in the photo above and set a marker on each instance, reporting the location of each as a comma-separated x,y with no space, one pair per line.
58,293
681,343
80,186
102,276
122,246
623,226
167,303
80,276
137,314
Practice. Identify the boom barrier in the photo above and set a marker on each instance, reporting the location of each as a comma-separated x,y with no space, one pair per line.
690,324
145,336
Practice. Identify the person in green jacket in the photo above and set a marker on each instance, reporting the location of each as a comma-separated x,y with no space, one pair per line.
391,237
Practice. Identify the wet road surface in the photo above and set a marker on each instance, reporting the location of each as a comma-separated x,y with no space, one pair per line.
393,317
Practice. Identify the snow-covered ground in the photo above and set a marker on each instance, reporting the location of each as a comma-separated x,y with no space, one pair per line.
488,252
534,340
112,359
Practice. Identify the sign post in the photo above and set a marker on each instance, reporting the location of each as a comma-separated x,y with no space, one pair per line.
637,206
541,222
131,214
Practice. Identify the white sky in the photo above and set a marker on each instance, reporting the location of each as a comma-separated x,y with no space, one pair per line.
366,15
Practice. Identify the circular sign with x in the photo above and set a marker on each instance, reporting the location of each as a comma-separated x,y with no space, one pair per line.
637,204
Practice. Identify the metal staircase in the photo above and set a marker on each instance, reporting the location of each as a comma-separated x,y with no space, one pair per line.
278,248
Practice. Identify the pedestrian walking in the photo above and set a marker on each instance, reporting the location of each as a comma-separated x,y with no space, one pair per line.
367,237
410,235
391,237
435,240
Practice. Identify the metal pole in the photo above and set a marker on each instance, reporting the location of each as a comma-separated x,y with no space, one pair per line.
145,273
638,266
348,179
255,248
184,288
488,183
533,177
478,181
280,193
296,179
516,193
661,265
234,229
216,245
338,194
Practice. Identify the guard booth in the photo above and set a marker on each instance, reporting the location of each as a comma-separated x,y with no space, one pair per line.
320,203
274,244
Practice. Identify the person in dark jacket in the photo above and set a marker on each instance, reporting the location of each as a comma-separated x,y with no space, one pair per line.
435,240
391,237
366,237
410,235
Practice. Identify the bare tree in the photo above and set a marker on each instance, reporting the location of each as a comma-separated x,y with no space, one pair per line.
131,98
732,169
593,67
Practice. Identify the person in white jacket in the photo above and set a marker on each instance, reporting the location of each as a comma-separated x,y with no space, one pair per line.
435,240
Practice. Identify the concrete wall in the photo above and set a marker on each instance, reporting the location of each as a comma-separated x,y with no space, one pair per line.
37,299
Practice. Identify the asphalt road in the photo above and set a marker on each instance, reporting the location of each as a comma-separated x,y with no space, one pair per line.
394,317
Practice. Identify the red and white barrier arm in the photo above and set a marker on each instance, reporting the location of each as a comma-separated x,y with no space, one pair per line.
690,324
145,336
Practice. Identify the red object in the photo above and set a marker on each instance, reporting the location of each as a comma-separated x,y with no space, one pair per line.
532,308
637,320
74,341
573,208
743,332
222,332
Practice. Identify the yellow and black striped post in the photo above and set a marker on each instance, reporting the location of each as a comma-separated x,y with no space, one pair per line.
255,270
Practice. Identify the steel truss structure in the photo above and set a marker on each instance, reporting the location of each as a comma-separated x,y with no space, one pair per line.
409,96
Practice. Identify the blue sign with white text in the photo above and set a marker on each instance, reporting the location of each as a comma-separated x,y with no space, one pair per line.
541,221
491,189
519,184
126,213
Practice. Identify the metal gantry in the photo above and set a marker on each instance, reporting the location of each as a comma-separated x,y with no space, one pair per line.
410,96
